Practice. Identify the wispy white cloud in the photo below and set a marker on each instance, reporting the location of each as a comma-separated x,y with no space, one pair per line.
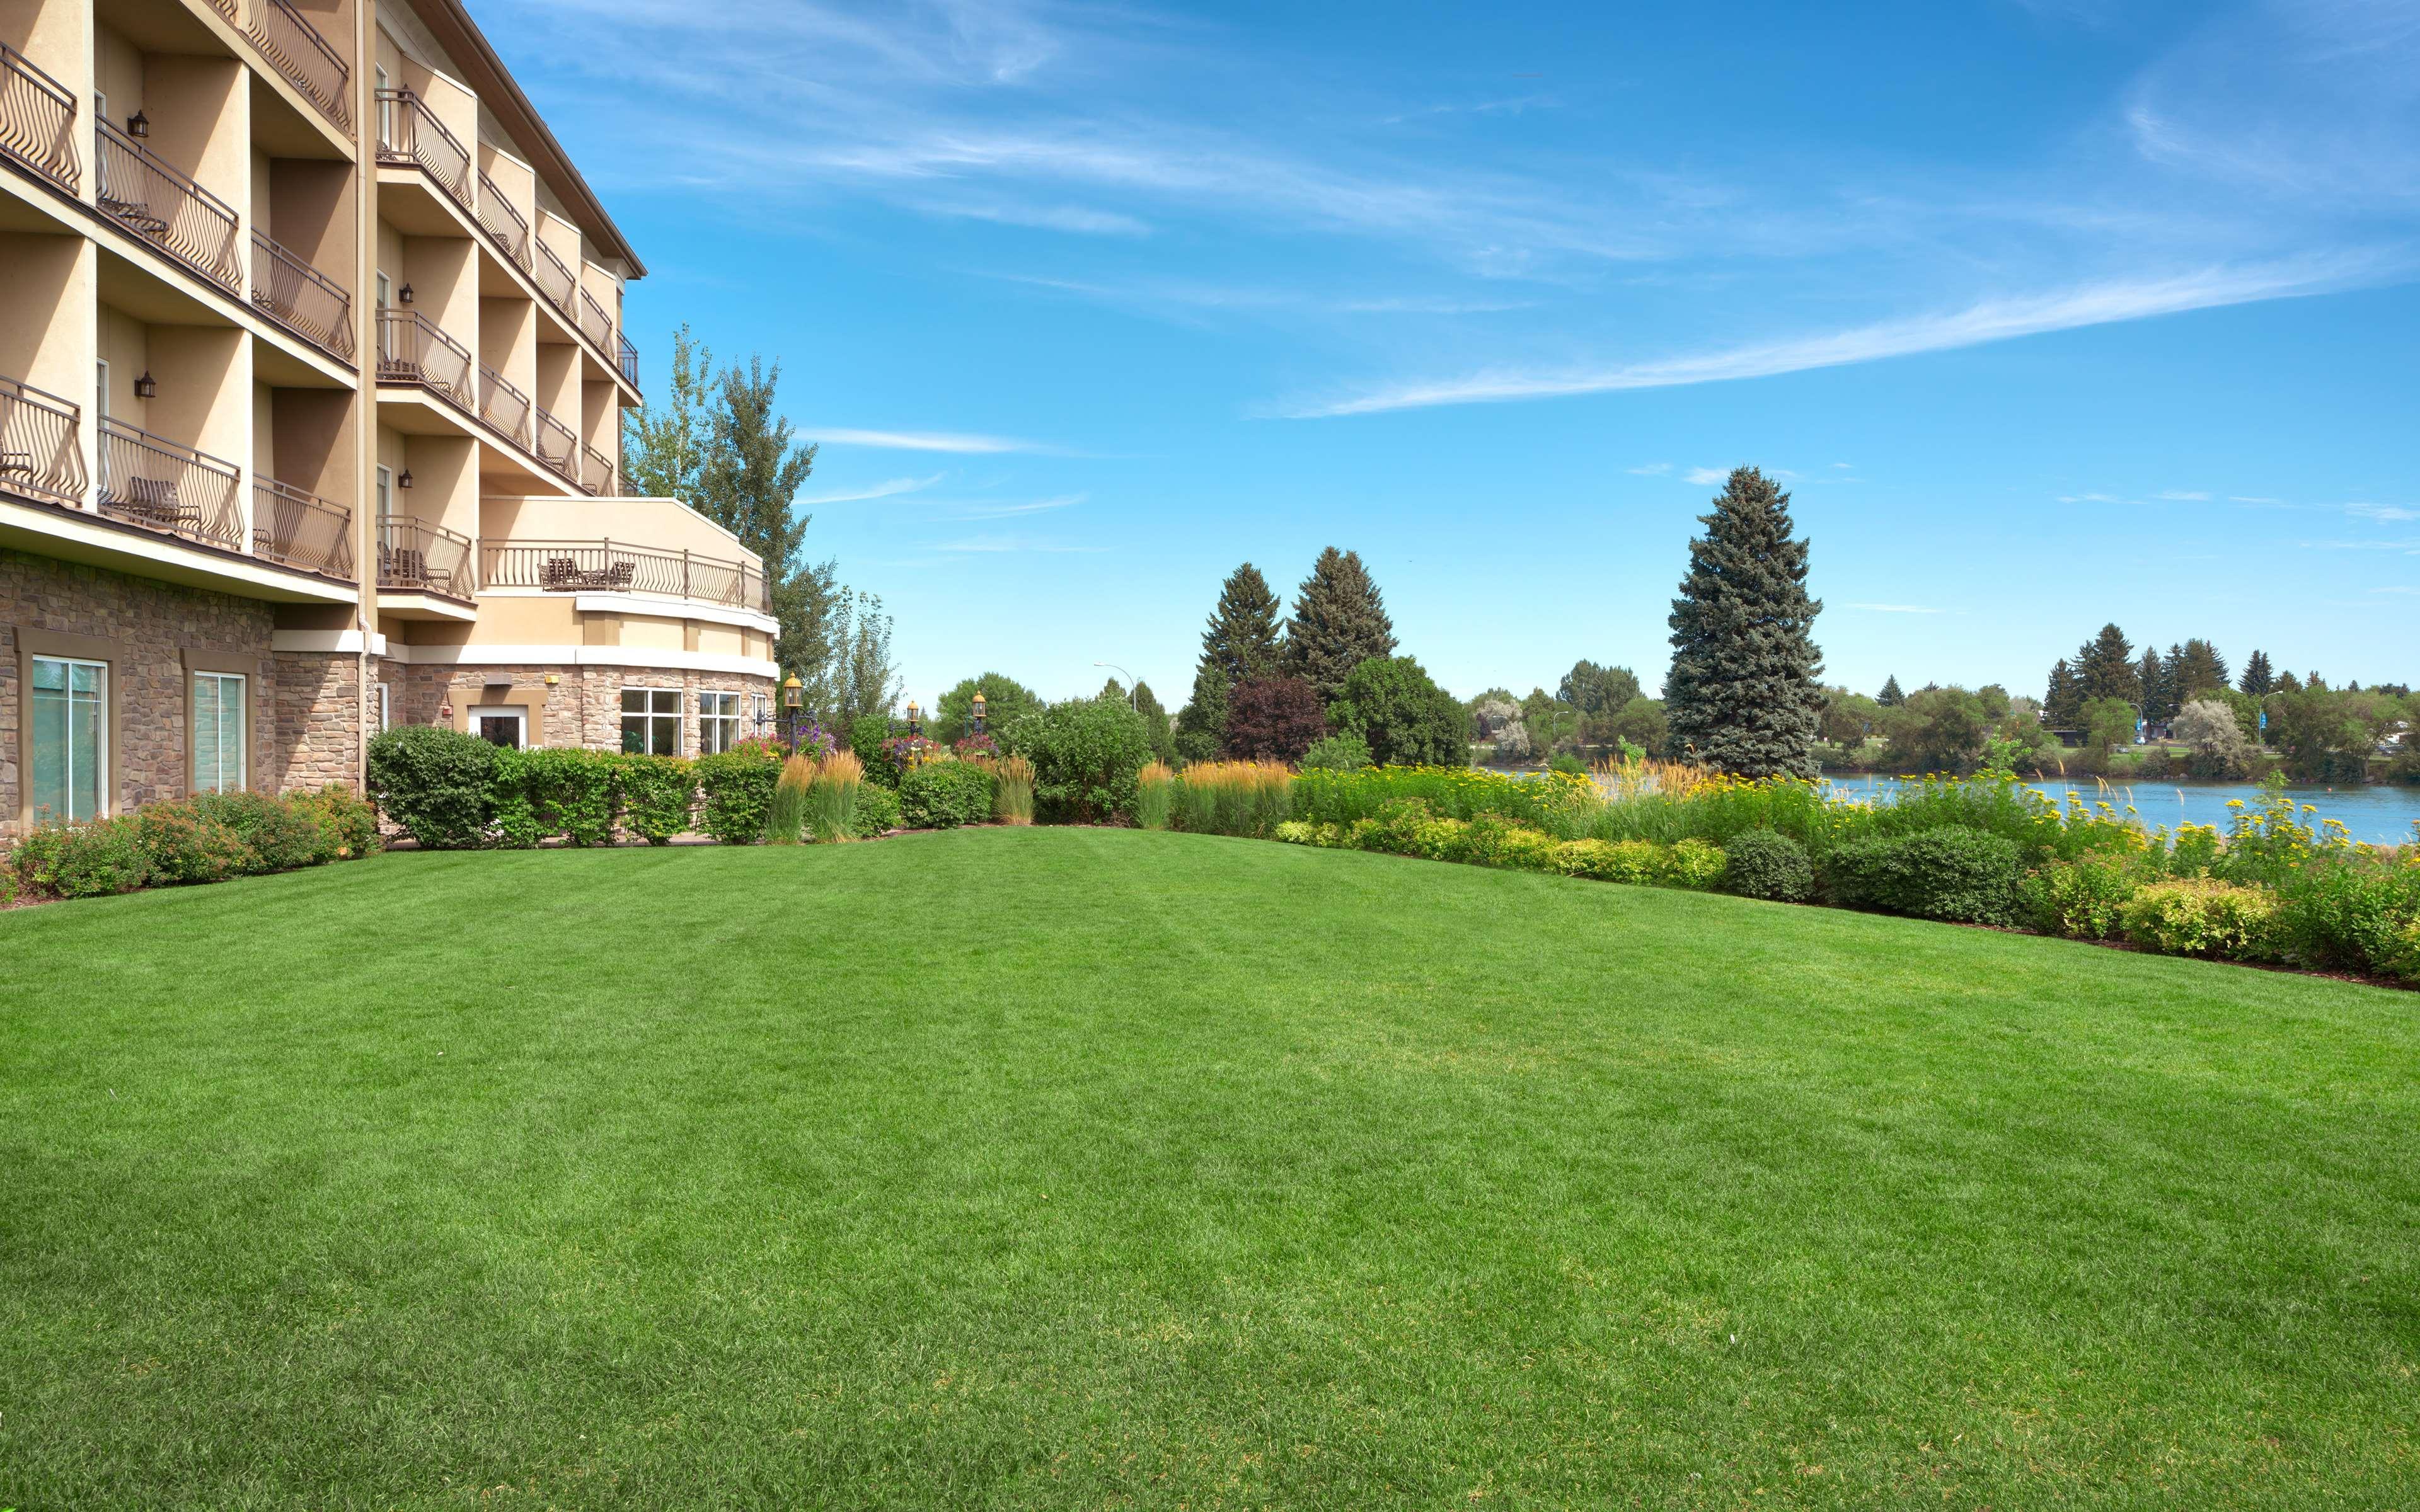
2252,499
1653,469
2185,496
2398,588
987,545
875,490
926,441
1079,219
1998,320
1894,608
1706,477
1011,511
2383,512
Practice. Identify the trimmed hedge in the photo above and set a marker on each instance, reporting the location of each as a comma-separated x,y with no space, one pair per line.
1954,873
736,793
944,794
449,790
209,838
1763,863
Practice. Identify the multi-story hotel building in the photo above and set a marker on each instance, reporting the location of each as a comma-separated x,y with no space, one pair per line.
311,383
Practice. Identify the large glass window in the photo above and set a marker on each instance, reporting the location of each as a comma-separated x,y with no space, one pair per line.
218,733
651,720
717,722
70,739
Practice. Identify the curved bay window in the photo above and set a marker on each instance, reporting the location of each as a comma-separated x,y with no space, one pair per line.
651,721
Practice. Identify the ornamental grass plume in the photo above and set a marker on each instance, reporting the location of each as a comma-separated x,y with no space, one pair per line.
831,801
785,818
1155,795
1247,798
1013,791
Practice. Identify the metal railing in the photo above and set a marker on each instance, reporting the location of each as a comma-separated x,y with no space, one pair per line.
596,472
301,53
409,132
595,323
554,281
40,455
505,407
165,208
629,356
498,218
164,486
412,350
618,567
37,119
557,447
416,556
301,298
300,530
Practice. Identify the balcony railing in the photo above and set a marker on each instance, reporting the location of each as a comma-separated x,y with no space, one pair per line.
503,407
300,530
629,361
37,120
40,456
554,281
498,218
557,447
618,567
163,486
301,298
409,132
167,209
412,350
596,472
415,556
301,53
595,323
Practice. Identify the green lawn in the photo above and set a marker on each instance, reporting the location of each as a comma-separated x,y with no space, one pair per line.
1105,1168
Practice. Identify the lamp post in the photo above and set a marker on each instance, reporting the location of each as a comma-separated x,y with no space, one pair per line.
1130,679
915,720
790,707
979,713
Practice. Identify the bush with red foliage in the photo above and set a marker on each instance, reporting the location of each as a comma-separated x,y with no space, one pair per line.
1273,719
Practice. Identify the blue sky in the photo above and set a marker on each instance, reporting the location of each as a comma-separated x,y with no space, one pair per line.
2050,312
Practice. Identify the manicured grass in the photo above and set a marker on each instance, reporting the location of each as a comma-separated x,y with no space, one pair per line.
1087,1167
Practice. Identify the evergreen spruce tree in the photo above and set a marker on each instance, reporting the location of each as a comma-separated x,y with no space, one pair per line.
2152,672
2287,682
2198,669
2104,668
1339,622
1239,642
1741,695
1890,697
2063,702
2258,680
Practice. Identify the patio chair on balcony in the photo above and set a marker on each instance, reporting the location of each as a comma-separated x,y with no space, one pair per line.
402,565
153,502
135,214
559,574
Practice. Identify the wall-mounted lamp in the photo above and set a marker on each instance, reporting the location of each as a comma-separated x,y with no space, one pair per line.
138,125
552,678
403,480
403,294
147,387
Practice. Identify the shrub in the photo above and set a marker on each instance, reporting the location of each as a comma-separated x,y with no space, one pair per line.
736,790
570,792
347,822
2205,917
1155,795
877,812
435,783
1272,719
1393,704
2350,917
1953,872
1566,762
831,800
2081,900
656,794
277,835
785,818
180,844
87,860
945,795
1691,863
1696,864
1013,791
869,737
1345,752
1761,863
8,885
1085,754
513,821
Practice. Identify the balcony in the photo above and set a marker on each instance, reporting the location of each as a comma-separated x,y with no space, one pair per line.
37,121
40,455
558,447
295,529
412,350
505,408
503,223
596,472
166,487
629,361
165,208
410,133
618,567
418,557
553,280
302,299
297,50
595,323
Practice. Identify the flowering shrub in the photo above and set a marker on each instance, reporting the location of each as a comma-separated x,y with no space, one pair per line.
86,860
2203,916
2082,899
184,845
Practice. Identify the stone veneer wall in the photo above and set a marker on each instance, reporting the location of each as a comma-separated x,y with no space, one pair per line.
583,708
150,625
318,734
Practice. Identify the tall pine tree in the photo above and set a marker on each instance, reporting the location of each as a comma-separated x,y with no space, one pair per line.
2197,669
1240,642
2151,674
2063,702
2104,668
1890,697
1741,695
2259,681
1339,622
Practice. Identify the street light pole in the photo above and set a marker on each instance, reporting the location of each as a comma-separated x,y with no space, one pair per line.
1130,680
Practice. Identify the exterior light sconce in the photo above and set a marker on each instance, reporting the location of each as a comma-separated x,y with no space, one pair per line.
403,294
138,125
147,387
403,479
552,678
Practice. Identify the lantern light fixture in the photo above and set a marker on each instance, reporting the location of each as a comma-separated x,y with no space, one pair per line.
403,294
138,125
147,387
790,692
403,479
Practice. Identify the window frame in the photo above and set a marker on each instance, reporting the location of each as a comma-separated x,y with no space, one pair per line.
719,711
199,660
194,678
52,645
102,742
650,721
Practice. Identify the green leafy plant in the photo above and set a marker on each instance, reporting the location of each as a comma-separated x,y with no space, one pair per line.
945,795
1085,754
570,791
1345,752
182,845
347,822
86,860
277,835
2083,899
735,792
1954,872
1763,863
2203,916
436,783
656,795
869,736
877,812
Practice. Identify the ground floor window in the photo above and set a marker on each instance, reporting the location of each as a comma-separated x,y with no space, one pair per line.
651,721
760,711
500,727
717,722
218,732
69,743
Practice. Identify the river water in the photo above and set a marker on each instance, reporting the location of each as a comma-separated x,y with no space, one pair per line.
2381,814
